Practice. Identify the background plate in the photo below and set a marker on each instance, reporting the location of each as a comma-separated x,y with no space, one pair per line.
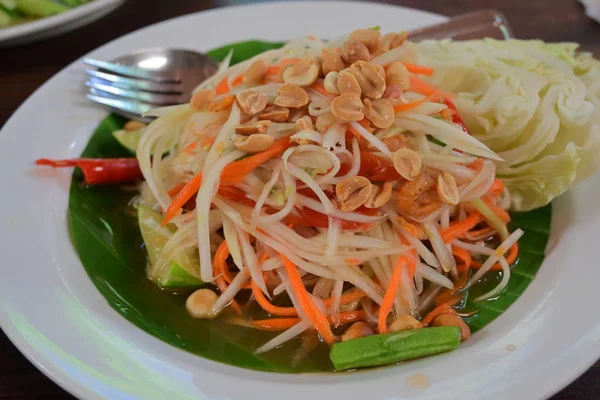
51,26
52,312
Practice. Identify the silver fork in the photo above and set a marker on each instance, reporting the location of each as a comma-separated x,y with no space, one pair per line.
134,84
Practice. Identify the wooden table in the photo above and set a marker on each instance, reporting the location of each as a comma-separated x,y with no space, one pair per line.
23,69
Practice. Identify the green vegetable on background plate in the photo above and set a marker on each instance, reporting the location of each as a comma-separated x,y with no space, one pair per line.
13,12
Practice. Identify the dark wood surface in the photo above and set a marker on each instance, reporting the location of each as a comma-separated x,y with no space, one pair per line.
23,69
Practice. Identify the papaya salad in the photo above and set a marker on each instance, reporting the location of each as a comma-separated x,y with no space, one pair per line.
330,185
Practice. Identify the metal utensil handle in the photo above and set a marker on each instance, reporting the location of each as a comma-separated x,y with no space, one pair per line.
475,25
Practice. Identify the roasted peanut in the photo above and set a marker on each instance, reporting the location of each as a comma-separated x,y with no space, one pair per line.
222,103
405,322
330,83
447,189
324,122
281,71
372,84
200,303
347,83
356,330
304,124
251,128
202,98
353,192
274,113
254,143
291,96
453,320
380,70
348,107
397,75
331,60
371,38
256,73
134,125
407,163
380,195
393,40
251,102
354,51
380,112
396,142
393,92
302,73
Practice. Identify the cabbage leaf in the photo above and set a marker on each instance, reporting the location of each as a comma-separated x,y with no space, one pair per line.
534,104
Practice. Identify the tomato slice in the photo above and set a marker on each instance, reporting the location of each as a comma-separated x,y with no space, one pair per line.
319,220
455,117
373,167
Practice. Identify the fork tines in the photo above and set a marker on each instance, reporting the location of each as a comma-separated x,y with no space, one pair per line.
130,90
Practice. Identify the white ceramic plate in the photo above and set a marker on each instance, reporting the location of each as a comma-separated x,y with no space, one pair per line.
52,312
51,26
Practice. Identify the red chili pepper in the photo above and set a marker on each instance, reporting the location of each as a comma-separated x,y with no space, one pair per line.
455,117
98,171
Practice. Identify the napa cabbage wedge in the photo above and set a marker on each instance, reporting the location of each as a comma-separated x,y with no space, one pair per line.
534,104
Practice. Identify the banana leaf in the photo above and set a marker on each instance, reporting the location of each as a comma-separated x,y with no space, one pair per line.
105,234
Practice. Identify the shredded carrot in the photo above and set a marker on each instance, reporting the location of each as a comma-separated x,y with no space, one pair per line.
279,324
312,311
462,255
427,89
237,80
487,231
190,148
264,257
349,316
450,296
458,229
496,188
390,293
476,165
413,229
409,106
276,324
419,69
439,310
511,258
182,197
346,298
237,170
223,86
353,261
320,88
274,69
232,174
220,265
207,141
449,300
500,213
175,189
268,307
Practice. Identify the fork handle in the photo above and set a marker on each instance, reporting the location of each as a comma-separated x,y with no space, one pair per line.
475,25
